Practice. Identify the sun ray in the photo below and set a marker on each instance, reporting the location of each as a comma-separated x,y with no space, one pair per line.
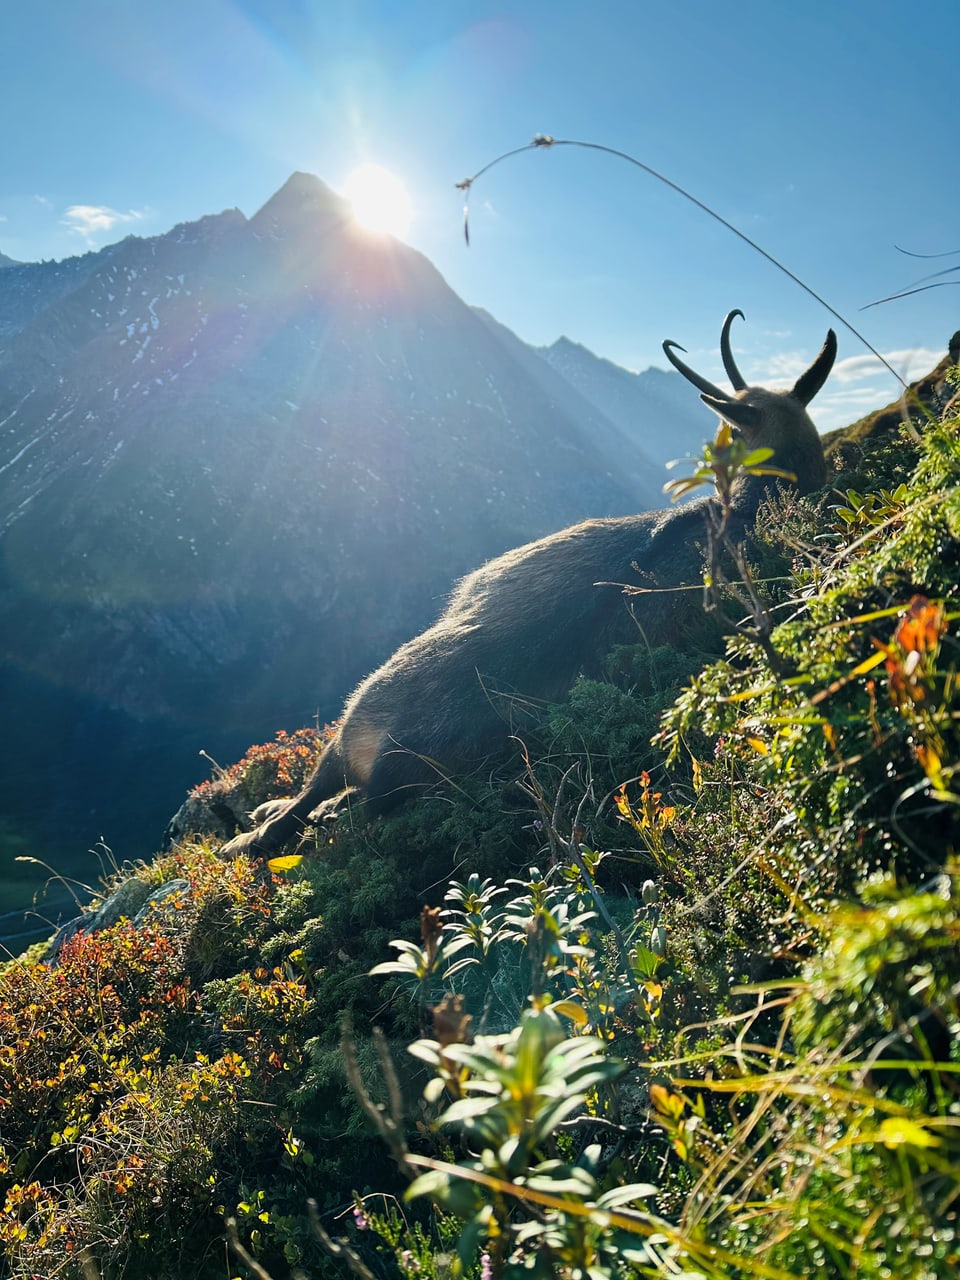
379,200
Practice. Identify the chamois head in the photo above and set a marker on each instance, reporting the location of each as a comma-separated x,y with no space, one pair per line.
776,420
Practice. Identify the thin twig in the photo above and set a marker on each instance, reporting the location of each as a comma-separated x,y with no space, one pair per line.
245,1256
338,1249
389,1126
390,1077
942,284
542,141
910,254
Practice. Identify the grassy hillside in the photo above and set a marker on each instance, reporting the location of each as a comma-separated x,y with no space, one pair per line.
701,1024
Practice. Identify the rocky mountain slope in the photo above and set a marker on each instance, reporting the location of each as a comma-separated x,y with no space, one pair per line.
638,403
239,463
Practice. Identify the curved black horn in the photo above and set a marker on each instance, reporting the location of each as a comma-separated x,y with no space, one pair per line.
700,383
733,373
809,383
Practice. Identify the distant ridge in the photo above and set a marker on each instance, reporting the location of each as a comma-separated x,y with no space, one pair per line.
239,463
657,411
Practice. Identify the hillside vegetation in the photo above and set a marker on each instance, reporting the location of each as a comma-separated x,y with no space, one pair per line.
702,1024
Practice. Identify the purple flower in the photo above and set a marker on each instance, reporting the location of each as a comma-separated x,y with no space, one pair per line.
360,1218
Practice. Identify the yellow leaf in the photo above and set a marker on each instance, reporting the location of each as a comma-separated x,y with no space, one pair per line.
286,863
744,694
759,746
654,993
669,1105
697,777
932,765
571,1010
898,1131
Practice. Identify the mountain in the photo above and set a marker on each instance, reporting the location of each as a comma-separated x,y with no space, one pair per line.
618,437
640,404
239,463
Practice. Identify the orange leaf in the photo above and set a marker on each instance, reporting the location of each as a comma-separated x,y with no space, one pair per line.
920,628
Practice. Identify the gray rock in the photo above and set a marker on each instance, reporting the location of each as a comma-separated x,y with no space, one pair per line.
125,901
218,810
159,902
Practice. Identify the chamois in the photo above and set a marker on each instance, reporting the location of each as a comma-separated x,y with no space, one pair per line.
529,621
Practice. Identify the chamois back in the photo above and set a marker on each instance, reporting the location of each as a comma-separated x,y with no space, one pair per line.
525,624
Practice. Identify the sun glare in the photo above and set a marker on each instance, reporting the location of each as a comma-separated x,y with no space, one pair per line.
379,200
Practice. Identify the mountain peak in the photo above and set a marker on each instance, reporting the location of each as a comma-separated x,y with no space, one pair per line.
305,183
565,346
303,195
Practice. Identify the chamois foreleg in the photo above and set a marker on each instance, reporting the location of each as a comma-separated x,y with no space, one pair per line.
280,820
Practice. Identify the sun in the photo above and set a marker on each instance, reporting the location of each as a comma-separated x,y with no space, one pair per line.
379,200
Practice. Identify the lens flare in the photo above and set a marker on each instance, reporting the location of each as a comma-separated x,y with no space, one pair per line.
379,200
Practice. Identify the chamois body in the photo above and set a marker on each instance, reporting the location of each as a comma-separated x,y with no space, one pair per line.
527,623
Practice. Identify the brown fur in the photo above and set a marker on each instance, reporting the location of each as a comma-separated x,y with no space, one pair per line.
528,622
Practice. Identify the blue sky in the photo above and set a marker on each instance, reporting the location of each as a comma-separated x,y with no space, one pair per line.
825,131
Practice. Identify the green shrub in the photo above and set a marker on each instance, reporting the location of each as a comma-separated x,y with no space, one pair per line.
715,1036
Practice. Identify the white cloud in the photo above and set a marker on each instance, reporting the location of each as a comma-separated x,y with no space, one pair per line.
90,220
870,394
783,370
856,386
910,363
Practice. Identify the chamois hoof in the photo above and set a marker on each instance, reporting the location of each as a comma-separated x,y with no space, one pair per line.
269,809
244,844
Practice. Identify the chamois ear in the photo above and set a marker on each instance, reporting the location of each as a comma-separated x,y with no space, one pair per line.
745,416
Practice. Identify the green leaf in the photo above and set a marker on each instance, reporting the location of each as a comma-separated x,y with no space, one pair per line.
626,1195
468,1244
550,1117
392,966
433,1089
432,1183
468,1109
755,457
564,1180
426,1051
